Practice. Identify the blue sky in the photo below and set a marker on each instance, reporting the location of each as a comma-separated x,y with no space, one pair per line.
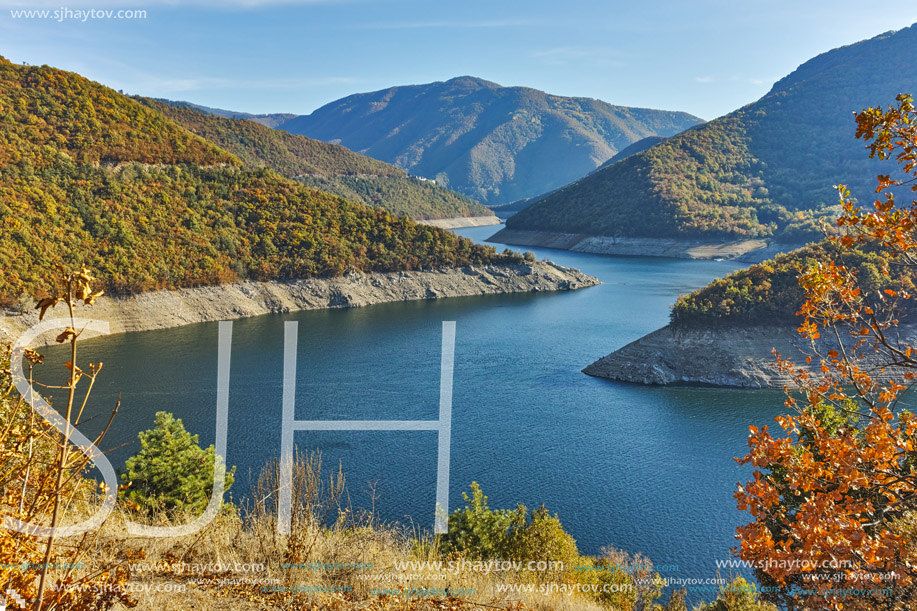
706,57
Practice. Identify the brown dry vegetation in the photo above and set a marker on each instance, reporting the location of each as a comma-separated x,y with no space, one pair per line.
240,561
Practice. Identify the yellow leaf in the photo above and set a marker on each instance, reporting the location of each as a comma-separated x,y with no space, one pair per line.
91,299
68,334
44,304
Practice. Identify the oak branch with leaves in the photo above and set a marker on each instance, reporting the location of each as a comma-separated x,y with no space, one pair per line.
834,498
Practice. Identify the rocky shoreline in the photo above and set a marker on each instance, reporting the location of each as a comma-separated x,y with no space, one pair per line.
651,247
733,357
724,356
164,309
462,221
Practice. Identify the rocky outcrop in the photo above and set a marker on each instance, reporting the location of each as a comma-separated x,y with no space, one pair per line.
726,356
737,357
607,245
163,309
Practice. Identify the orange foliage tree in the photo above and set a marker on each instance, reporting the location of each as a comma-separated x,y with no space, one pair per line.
834,497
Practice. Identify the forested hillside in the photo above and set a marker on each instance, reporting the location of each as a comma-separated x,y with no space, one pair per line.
765,170
494,144
769,293
89,175
328,167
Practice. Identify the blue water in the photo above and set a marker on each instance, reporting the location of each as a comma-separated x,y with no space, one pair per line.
645,469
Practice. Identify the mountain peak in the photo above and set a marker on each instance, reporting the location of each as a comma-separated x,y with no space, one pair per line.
472,82
491,143
848,56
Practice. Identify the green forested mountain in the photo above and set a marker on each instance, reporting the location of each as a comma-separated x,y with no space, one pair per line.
328,167
89,175
767,169
494,144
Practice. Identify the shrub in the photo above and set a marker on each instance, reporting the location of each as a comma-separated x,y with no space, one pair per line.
624,581
171,471
477,530
738,595
540,536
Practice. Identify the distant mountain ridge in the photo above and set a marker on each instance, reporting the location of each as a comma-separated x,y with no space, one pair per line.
270,120
491,143
766,170
328,167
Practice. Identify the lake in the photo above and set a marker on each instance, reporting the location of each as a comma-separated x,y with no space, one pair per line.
645,469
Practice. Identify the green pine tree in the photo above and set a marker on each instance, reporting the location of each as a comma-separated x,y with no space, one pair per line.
171,471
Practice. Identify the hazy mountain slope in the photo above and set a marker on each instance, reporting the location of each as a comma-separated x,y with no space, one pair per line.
494,144
90,176
632,149
328,167
767,169
275,119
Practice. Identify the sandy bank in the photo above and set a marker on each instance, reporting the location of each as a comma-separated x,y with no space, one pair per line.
163,309
606,245
462,221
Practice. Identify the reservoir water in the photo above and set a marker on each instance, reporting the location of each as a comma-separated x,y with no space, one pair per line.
645,469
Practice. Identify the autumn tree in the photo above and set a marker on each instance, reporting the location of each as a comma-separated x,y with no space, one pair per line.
834,495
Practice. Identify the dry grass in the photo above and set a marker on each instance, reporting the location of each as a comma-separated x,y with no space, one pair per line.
227,564
239,561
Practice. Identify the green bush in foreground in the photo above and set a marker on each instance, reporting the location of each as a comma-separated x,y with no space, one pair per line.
618,580
171,471
738,595
478,531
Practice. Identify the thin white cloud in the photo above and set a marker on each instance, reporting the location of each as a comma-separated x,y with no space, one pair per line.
757,82
418,25
117,74
183,84
563,56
